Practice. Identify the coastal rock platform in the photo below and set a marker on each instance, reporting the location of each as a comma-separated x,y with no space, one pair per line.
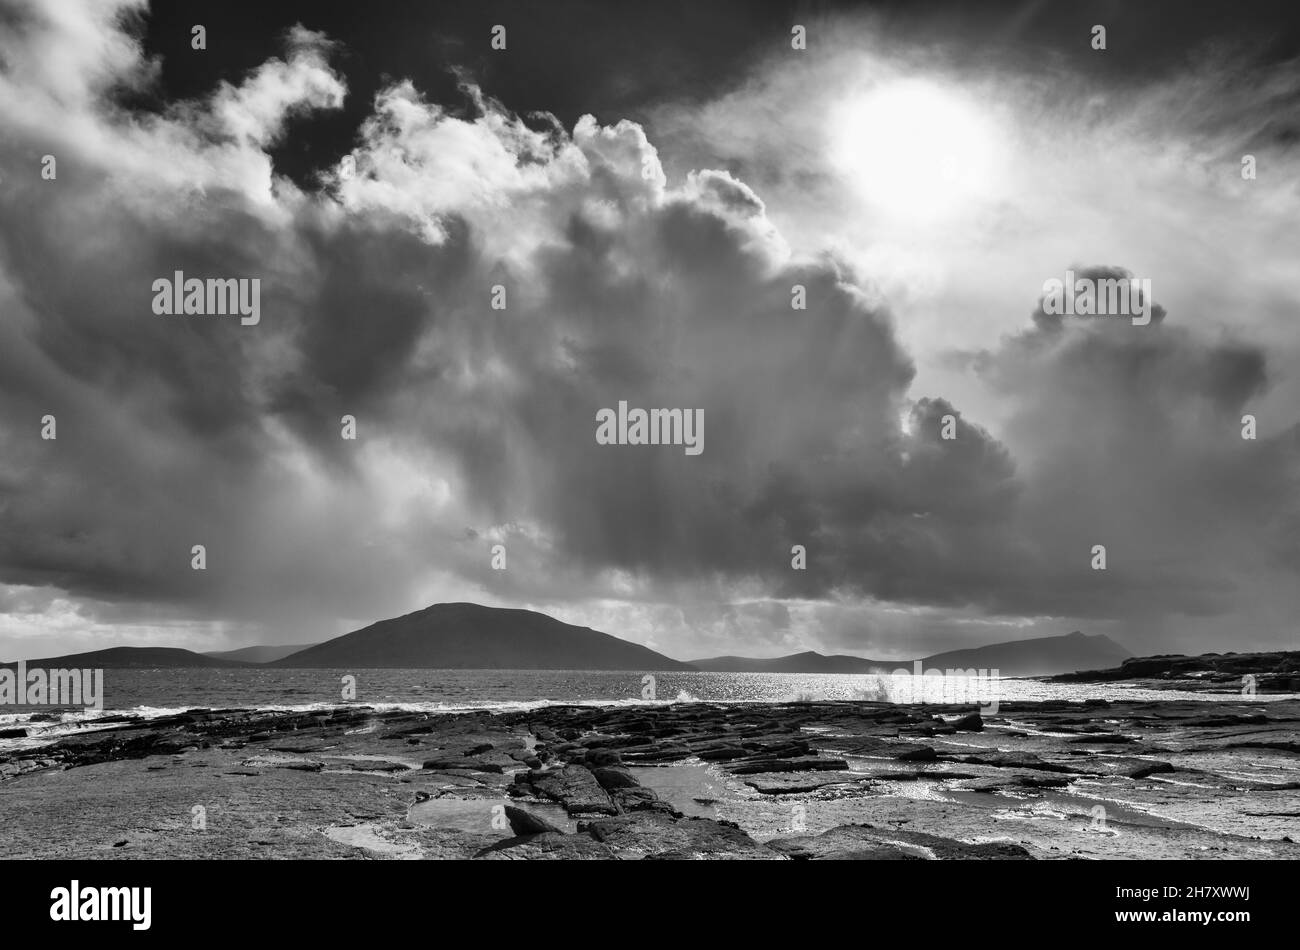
742,781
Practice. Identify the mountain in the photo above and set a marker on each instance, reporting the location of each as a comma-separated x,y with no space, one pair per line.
1041,656
469,636
259,654
122,658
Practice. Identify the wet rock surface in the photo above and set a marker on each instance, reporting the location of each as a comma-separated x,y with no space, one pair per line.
789,781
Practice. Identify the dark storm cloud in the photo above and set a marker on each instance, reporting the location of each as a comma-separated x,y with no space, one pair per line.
1131,437
622,291
565,57
477,426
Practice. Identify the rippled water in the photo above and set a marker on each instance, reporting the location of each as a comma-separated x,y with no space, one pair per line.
157,692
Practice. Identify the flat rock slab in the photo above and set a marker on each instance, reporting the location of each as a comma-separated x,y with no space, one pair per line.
1013,760
792,783
1017,780
800,764
650,833
633,799
610,777
876,747
372,765
575,788
548,846
656,753
479,762
847,842
283,762
865,841
1125,766
923,774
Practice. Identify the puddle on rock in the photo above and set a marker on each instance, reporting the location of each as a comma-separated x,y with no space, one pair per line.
690,788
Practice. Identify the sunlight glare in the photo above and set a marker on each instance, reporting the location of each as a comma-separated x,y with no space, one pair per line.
914,149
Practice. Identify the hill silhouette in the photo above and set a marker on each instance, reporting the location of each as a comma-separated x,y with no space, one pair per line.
470,636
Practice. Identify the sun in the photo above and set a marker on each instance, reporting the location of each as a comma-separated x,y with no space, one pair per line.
915,149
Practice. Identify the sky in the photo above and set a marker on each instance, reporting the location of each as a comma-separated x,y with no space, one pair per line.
648,184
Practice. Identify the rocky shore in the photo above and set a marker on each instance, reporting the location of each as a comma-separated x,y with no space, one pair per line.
806,780
1276,672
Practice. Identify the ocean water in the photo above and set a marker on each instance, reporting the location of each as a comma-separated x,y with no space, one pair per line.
161,692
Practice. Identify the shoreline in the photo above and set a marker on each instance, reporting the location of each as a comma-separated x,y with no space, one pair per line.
40,719
812,779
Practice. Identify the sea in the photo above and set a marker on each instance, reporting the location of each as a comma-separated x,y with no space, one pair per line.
151,693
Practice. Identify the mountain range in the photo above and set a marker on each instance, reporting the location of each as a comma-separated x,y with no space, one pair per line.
1038,657
258,654
471,636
